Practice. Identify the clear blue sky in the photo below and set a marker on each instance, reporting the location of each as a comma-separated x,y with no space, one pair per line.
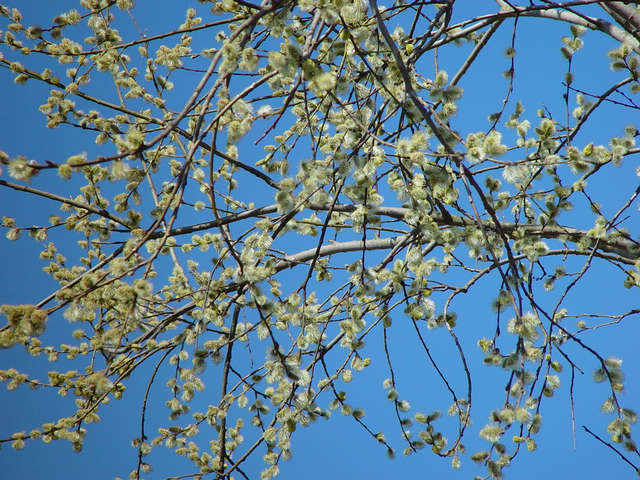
337,448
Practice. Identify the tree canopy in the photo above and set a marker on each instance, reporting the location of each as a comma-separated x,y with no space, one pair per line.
254,209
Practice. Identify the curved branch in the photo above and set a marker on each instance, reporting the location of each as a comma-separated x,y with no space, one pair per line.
570,17
627,249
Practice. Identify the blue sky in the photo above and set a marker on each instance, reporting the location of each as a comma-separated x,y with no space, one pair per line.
339,448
